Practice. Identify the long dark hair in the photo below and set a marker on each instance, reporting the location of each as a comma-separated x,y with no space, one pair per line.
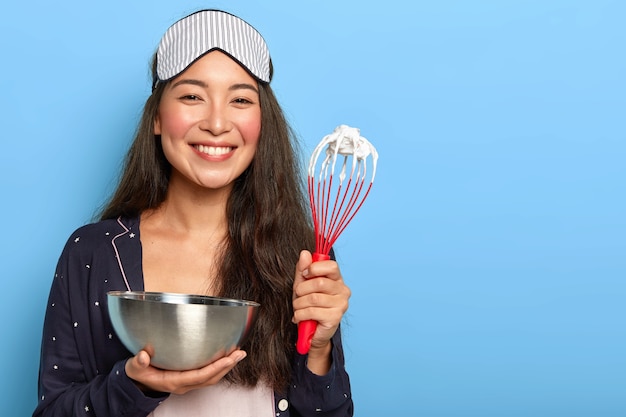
268,221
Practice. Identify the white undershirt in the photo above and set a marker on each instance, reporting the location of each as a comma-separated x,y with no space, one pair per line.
221,400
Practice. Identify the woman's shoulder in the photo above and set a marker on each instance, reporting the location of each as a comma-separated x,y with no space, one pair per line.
105,227
102,232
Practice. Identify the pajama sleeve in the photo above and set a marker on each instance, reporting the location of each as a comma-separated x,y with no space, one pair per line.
321,396
70,383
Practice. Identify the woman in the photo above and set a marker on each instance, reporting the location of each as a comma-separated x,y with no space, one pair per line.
209,202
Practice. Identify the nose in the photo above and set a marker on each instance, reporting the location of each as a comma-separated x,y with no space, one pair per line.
216,120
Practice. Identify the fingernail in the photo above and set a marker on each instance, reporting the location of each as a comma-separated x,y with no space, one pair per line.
241,356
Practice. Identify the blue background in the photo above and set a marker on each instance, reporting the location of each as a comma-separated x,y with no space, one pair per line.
488,264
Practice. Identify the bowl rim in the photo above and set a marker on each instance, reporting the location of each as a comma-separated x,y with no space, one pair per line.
163,297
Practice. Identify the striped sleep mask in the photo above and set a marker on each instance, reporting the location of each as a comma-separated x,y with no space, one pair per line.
201,32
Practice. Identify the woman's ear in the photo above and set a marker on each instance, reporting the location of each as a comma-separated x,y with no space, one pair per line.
157,125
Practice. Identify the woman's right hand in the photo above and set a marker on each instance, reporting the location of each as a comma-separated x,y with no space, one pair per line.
149,378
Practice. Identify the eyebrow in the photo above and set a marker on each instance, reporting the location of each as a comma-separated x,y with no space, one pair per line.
190,81
243,86
199,83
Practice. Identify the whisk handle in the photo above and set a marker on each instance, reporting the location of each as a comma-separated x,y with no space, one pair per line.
320,257
306,328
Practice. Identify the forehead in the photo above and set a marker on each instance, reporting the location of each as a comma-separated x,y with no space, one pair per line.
217,66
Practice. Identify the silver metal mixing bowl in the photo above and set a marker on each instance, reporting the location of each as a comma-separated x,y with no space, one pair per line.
180,331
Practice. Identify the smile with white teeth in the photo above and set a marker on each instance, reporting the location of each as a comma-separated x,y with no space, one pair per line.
213,150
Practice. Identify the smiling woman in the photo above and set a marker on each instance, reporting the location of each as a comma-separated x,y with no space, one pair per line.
210,202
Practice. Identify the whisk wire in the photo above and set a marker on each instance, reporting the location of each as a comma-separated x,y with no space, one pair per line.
329,222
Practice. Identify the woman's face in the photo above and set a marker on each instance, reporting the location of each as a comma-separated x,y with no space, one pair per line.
209,120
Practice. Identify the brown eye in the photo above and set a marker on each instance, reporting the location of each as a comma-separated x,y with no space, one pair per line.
242,100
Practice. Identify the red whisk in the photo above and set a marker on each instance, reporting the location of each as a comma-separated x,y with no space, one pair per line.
334,203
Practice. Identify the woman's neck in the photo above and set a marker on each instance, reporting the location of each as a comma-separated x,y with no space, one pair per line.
182,241
189,208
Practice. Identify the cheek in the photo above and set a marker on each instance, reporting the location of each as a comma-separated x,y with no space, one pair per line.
172,123
251,129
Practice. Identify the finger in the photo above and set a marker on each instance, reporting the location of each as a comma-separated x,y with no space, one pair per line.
321,293
333,297
143,359
208,375
301,273
329,316
328,269
137,363
321,285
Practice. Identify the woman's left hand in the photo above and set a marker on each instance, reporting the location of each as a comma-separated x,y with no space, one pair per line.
319,294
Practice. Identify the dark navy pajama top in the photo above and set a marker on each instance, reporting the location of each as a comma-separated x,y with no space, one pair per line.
82,360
